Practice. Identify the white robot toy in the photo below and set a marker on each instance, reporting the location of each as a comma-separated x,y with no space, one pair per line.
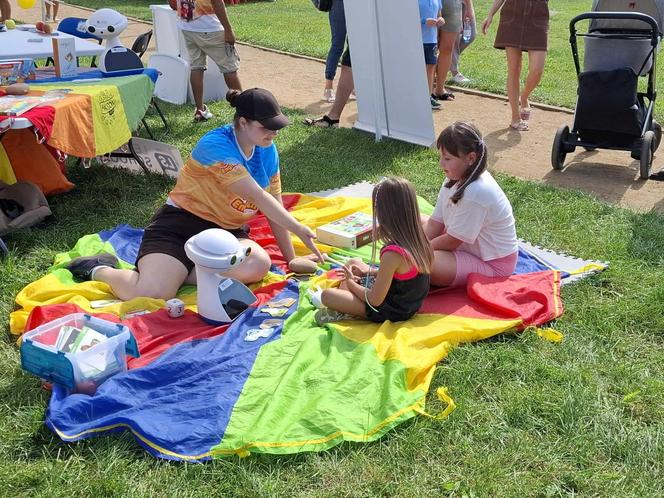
108,24
220,299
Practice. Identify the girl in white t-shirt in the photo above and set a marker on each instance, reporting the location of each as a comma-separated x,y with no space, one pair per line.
472,227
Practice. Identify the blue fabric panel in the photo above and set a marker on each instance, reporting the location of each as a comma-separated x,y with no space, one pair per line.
179,405
125,239
95,74
528,264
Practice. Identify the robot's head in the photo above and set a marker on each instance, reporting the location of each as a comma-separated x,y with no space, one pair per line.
106,23
217,249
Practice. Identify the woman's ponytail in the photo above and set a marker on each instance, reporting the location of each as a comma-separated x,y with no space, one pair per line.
231,95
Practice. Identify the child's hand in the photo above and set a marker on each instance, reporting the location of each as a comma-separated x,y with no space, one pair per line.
346,274
440,22
431,22
354,269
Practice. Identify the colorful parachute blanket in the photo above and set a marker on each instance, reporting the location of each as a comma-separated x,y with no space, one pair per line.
199,392
94,117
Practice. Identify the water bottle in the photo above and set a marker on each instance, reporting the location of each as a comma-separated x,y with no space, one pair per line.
467,30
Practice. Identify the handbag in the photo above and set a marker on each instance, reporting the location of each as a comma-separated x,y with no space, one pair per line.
323,5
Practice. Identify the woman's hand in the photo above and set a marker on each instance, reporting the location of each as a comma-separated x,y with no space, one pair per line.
440,22
486,23
307,236
431,22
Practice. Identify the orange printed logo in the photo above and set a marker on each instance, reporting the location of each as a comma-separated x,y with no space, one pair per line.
244,206
225,168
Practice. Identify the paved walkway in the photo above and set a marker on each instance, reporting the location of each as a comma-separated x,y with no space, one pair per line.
297,83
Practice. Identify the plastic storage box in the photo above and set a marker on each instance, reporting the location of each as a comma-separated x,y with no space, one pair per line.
85,370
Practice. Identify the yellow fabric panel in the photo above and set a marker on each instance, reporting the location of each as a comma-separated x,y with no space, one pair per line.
316,211
6,171
422,341
50,290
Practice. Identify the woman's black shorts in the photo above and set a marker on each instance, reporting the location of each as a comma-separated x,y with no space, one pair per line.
171,227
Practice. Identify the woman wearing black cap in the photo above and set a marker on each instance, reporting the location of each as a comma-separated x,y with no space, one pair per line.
233,172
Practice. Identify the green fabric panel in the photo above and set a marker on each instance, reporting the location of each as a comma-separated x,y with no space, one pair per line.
135,91
86,246
312,389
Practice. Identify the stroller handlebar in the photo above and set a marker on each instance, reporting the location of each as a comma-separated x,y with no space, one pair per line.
633,16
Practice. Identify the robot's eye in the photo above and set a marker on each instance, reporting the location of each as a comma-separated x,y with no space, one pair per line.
91,29
110,29
248,251
233,260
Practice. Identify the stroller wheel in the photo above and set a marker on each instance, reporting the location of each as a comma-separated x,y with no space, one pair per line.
647,150
560,148
657,129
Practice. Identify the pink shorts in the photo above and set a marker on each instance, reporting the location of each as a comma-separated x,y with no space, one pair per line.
469,263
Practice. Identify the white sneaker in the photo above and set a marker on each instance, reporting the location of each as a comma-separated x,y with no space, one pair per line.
327,315
203,114
328,95
460,79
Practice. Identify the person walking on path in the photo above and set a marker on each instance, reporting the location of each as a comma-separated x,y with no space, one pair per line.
463,41
337,17
344,91
208,32
523,26
430,20
5,10
448,34
56,6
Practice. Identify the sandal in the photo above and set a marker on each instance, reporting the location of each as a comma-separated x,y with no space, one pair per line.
323,122
519,126
524,114
443,96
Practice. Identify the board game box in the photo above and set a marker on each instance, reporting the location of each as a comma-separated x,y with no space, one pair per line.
350,232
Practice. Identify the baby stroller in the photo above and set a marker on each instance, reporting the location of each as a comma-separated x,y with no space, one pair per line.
611,112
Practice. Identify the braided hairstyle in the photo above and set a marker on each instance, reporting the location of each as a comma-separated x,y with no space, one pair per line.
460,139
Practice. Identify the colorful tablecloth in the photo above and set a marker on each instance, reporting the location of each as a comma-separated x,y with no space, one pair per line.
96,117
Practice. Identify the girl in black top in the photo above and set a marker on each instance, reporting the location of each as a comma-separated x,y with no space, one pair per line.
401,282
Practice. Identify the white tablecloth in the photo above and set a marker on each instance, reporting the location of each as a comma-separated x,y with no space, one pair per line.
14,44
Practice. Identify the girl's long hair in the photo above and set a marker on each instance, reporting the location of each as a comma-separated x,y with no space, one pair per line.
396,220
460,139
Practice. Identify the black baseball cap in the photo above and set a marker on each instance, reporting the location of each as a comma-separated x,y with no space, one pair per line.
260,105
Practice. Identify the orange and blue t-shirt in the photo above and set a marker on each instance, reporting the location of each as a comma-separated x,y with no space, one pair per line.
217,162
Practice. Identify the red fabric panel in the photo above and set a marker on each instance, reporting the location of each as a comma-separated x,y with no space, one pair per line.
42,118
261,233
155,332
533,297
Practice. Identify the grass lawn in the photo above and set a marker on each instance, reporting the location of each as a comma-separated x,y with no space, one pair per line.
296,26
584,417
